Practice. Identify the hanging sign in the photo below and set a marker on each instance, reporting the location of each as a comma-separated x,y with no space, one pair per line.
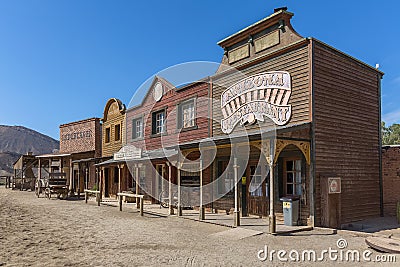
128,152
253,98
334,185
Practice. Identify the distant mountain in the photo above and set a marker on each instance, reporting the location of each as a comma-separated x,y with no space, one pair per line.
18,140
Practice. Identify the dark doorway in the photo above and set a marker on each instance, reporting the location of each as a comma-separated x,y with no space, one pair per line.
106,182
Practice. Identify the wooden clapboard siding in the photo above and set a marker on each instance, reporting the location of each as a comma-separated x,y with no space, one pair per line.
114,114
296,62
170,100
346,124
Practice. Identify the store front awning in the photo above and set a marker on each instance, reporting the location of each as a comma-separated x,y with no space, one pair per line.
145,156
84,160
53,155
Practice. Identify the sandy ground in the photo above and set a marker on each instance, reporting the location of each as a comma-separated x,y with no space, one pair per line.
42,232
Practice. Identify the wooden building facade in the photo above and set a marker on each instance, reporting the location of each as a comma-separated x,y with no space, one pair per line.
80,150
168,118
115,176
307,103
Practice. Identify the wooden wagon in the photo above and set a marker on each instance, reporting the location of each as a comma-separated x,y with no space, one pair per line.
56,184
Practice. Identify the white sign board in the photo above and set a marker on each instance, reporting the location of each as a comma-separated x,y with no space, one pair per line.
262,95
334,185
128,152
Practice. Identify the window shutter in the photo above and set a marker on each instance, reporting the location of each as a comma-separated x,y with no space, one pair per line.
153,123
180,116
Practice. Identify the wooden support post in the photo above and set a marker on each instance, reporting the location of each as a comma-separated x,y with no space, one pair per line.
141,206
236,213
79,182
71,176
120,202
86,196
201,209
87,177
119,178
98,198
101,182
170,206
272,217
179,191
137,185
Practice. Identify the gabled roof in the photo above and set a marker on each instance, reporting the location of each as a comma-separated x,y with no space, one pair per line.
169,86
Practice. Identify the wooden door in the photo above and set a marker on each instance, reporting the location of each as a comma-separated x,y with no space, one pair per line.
257,189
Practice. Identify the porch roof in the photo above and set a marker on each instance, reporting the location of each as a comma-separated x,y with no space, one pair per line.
146,155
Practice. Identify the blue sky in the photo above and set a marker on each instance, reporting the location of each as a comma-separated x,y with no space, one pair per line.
60,61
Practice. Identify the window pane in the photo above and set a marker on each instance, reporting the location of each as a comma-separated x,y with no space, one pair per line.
160,122
117,132
298,177
138,128
107,135
187,115
289,177
289,165
298,165
298,189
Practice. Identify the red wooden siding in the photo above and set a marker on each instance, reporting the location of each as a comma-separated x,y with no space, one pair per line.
169,101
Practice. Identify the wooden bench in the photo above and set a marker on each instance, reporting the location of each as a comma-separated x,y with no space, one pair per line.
139,200
92,192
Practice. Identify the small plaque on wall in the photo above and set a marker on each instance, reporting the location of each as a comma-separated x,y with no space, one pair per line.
334,185
266,41
238,53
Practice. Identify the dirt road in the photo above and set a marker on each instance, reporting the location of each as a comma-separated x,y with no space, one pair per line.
42,232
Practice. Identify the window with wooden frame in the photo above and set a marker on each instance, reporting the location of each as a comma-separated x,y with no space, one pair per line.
292,176
117,132
107,135
186,114
259,176
137,128
158,122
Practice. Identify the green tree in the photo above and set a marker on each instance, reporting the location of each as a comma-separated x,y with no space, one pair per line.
391,134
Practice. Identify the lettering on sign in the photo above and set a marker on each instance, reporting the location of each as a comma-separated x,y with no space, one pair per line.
128,152
251,99
334,185
238,53
77,135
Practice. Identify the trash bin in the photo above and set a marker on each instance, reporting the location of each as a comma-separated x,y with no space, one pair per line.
290,210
